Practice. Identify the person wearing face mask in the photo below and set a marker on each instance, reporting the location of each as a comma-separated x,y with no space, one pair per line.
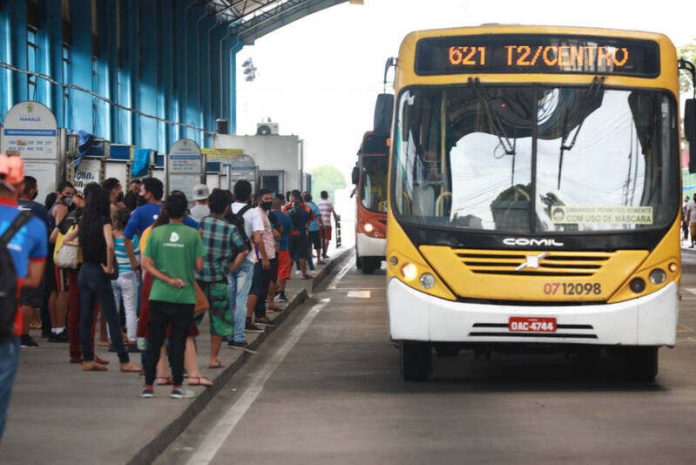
27,200
32,298
58,300
63,203
261,281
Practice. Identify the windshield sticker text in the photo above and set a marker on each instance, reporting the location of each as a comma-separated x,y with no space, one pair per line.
602,215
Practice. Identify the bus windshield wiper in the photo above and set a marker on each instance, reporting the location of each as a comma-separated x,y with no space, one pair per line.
493,118
596,88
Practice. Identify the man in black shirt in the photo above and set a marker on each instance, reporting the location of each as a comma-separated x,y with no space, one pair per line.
32,299
131,198
27,202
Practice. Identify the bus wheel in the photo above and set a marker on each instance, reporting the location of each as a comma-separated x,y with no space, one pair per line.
370,264
416,361
642,363
446,350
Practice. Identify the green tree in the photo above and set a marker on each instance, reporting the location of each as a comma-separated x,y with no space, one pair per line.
327,178
687,52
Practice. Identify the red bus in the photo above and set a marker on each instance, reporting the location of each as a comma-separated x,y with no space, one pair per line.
370,179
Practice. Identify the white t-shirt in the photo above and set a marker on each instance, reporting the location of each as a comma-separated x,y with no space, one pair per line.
267,234
198,212
691,208
252,223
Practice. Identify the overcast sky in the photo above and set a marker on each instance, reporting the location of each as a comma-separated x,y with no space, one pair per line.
318,77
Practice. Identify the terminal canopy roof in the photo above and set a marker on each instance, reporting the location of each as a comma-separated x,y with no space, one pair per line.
251,19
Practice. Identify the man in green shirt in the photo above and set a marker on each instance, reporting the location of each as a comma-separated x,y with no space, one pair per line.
173,251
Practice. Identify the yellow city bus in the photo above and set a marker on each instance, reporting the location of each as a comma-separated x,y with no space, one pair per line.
534,194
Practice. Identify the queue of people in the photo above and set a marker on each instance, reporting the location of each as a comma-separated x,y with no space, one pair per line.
148,271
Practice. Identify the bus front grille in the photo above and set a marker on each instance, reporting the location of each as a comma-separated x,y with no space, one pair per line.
533,264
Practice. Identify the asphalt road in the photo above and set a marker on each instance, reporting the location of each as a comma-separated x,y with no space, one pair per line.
327,390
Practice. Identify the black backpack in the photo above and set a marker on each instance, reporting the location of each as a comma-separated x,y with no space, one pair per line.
298,217
237,219
8,278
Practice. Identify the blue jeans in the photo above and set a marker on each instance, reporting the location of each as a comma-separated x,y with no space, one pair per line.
9,359
239,284
95,284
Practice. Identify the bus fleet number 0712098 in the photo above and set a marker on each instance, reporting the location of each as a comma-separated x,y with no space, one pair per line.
577,289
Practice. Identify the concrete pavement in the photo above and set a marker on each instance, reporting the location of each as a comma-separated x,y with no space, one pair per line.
336,397
62,415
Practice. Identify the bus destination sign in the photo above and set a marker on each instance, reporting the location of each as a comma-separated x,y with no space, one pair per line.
537,54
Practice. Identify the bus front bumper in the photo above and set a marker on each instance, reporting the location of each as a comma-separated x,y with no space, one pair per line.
371,246
650,320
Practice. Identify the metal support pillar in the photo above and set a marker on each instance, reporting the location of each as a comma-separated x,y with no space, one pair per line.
104,68
81,60
6,56
131,62
235,46
147,89
192,113
213,109
166,103
18,49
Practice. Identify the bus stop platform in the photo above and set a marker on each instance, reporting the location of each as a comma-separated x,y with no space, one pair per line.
79,417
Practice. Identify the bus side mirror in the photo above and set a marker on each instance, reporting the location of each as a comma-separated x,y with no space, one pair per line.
355,175
690,131
384,107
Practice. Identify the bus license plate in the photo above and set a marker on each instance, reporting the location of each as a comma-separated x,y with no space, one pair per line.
520,324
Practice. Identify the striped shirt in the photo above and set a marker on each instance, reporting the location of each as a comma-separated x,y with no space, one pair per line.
124,264
326,208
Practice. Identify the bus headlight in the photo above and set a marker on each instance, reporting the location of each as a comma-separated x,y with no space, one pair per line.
427,280
409,271
369,228
637,285
657,276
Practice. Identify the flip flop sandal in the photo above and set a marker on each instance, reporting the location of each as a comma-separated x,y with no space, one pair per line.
215,365
200,381
93,367
100,360
164,381
131,369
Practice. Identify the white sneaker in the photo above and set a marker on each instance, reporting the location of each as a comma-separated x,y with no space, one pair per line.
181,393
298,273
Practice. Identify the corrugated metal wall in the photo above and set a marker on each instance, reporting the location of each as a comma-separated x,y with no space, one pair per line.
163,58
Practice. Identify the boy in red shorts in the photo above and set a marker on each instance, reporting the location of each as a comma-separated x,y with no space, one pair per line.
284,260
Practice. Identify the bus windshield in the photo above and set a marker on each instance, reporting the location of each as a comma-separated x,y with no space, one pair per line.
373,190
533,159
